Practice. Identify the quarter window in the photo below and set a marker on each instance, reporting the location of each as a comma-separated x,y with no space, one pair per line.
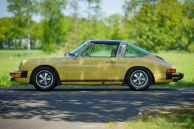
133,50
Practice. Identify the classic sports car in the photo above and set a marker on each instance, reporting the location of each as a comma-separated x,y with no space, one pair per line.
98,62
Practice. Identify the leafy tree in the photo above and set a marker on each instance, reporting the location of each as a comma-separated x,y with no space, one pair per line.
93,12
152,24
22,10
74,38
187,27
158,24
51,11
9,32
4,24
93,9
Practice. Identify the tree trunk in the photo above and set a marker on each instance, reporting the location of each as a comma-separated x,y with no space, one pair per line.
8,43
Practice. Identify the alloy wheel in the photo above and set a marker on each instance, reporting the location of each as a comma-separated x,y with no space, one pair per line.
44,78
139,78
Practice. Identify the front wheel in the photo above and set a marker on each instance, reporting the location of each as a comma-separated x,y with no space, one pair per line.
139,79
44,79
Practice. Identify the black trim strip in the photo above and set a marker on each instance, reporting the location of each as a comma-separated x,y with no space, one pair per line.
174,76
13,79
24,74
91,80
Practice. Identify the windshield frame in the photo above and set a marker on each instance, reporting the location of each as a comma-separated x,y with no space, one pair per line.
76,52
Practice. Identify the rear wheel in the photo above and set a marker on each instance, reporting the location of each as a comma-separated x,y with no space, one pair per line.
44,79
139,79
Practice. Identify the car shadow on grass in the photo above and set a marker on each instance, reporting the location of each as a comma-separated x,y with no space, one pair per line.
86,104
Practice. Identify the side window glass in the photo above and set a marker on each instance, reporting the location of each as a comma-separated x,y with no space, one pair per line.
133,51
104,50
87,52
130,52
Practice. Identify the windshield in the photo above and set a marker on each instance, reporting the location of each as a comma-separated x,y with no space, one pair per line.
78,50
133,50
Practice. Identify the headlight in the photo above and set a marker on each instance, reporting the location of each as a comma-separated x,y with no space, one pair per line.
20,64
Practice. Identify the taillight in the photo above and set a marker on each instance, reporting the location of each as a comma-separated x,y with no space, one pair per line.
171,70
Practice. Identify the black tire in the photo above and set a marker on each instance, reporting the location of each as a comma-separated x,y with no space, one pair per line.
44,79
139,79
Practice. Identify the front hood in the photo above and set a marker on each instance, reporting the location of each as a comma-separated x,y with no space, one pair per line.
34,62
43,59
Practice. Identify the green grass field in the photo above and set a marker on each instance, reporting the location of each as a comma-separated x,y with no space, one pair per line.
184,62
176,119
10,59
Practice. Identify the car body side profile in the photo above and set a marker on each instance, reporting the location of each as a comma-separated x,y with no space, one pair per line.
98,62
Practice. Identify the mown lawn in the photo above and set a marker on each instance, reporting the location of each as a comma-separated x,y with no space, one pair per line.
10,59
177,119
184,62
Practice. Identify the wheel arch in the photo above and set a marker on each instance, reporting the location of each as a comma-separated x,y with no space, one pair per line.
140,67
48,66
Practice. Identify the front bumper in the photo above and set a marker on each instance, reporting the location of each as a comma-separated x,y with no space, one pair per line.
18,74
13,79
174,76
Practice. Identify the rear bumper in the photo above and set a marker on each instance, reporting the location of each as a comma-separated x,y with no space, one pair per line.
174,76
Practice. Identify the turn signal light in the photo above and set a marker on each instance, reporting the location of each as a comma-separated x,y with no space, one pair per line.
171,71
15,74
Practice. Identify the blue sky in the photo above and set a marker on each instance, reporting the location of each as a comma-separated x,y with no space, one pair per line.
109,7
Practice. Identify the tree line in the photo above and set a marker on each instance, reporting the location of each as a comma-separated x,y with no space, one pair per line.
152,24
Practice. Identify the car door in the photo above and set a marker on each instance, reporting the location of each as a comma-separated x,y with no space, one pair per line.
97,63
